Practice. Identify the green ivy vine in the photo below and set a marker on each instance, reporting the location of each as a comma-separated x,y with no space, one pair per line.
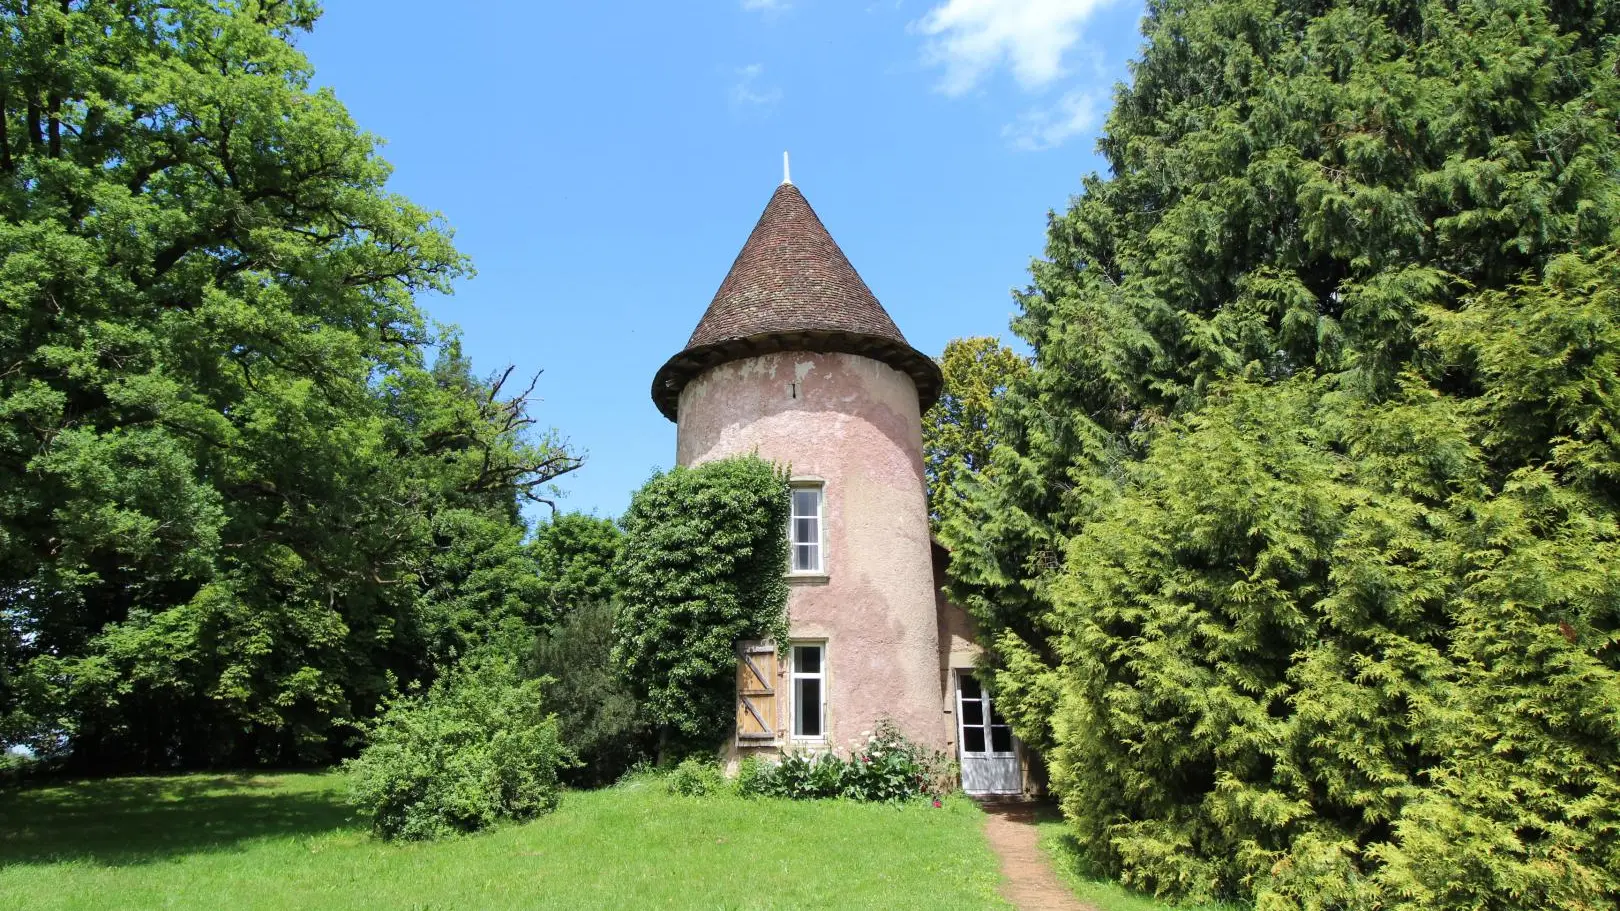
702,567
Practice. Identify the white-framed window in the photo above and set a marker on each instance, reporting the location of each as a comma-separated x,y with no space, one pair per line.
808,691
805,530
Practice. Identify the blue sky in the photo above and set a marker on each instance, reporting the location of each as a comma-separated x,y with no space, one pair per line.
602,163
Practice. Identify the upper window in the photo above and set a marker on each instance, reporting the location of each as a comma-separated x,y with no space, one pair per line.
804,530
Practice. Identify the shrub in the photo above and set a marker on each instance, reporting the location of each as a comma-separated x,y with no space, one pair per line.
598,717
696,778
807,776
474,749
889,767
754,777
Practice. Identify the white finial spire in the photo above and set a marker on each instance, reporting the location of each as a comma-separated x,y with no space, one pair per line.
787,176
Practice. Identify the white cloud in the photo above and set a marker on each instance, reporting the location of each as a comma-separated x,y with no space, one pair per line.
748,92
969,38
765,6
1048,128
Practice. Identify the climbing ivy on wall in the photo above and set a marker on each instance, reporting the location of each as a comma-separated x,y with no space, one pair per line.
702,566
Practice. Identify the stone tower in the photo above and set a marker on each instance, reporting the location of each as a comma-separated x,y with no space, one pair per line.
797,361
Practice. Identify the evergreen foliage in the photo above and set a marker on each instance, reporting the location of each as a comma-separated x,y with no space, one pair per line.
703,566
475,749
1296,546
239,499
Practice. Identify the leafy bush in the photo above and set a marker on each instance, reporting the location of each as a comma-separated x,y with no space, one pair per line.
598,717
753,777
696,777
475,749
702,567
807,776
889,767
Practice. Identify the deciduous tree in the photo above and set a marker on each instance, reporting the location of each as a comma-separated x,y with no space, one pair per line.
957,436
574,554
239,498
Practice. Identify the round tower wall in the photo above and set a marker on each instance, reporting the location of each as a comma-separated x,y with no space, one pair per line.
852,424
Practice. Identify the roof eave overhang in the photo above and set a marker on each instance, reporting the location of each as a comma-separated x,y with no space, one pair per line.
681,369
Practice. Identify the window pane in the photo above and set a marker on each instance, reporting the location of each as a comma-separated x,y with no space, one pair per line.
1001,739
970,687
804,502
804,557
972,711
807,659
973,740
807,707
804,530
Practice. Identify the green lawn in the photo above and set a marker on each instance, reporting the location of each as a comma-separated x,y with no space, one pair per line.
286,841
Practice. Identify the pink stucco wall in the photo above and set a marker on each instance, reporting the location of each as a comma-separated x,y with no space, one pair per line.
853,423
958,646
958,635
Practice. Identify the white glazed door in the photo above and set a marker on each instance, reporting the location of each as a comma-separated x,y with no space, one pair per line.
985,742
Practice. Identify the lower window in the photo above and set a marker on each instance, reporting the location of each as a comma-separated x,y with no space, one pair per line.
809,690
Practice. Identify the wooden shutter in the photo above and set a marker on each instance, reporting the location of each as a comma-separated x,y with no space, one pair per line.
756,693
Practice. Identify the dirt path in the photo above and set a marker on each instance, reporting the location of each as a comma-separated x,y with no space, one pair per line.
1028,880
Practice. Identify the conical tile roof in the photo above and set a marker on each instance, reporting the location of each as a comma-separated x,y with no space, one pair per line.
792,289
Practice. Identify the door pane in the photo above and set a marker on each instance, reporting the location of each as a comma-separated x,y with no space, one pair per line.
1001,739
973,740
972,711
995,716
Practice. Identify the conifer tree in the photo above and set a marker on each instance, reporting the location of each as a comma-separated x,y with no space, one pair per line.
1294,551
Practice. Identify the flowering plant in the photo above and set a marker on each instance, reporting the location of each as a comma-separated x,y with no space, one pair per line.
887,766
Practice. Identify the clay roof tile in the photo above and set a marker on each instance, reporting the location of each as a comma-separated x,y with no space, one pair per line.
792,288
